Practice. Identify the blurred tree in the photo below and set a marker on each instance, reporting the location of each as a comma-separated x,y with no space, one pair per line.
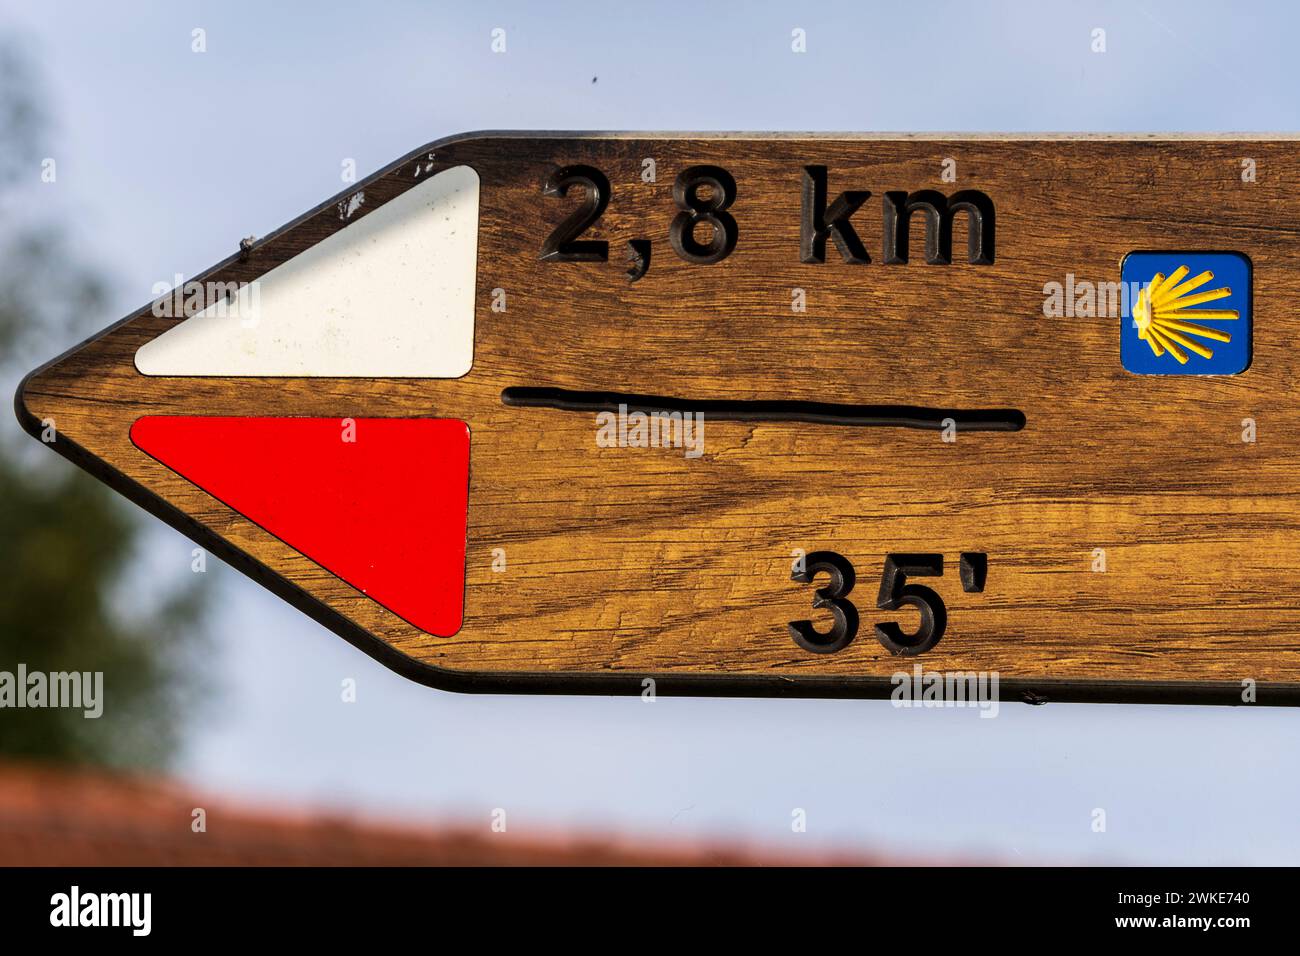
66,541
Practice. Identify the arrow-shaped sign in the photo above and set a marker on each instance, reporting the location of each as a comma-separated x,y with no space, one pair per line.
895,416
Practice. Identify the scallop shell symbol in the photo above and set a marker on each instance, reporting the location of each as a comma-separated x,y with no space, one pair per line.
1163,308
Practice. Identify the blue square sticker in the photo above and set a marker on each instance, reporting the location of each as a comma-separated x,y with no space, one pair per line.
1187,313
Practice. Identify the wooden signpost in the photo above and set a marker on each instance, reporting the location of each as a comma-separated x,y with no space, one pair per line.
748,414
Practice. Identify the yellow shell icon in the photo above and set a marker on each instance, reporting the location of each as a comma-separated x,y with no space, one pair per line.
1162,310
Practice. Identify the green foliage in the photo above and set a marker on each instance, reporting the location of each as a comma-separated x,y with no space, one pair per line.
65,540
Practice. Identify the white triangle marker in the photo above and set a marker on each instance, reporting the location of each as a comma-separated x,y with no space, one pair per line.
391,295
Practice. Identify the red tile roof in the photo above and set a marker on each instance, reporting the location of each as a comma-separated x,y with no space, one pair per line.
54,816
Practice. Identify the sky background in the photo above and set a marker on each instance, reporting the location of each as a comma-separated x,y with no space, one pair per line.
167,157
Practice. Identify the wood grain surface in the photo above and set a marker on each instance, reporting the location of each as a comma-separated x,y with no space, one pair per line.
627,562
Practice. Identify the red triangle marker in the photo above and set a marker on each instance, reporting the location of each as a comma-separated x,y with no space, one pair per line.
386,511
